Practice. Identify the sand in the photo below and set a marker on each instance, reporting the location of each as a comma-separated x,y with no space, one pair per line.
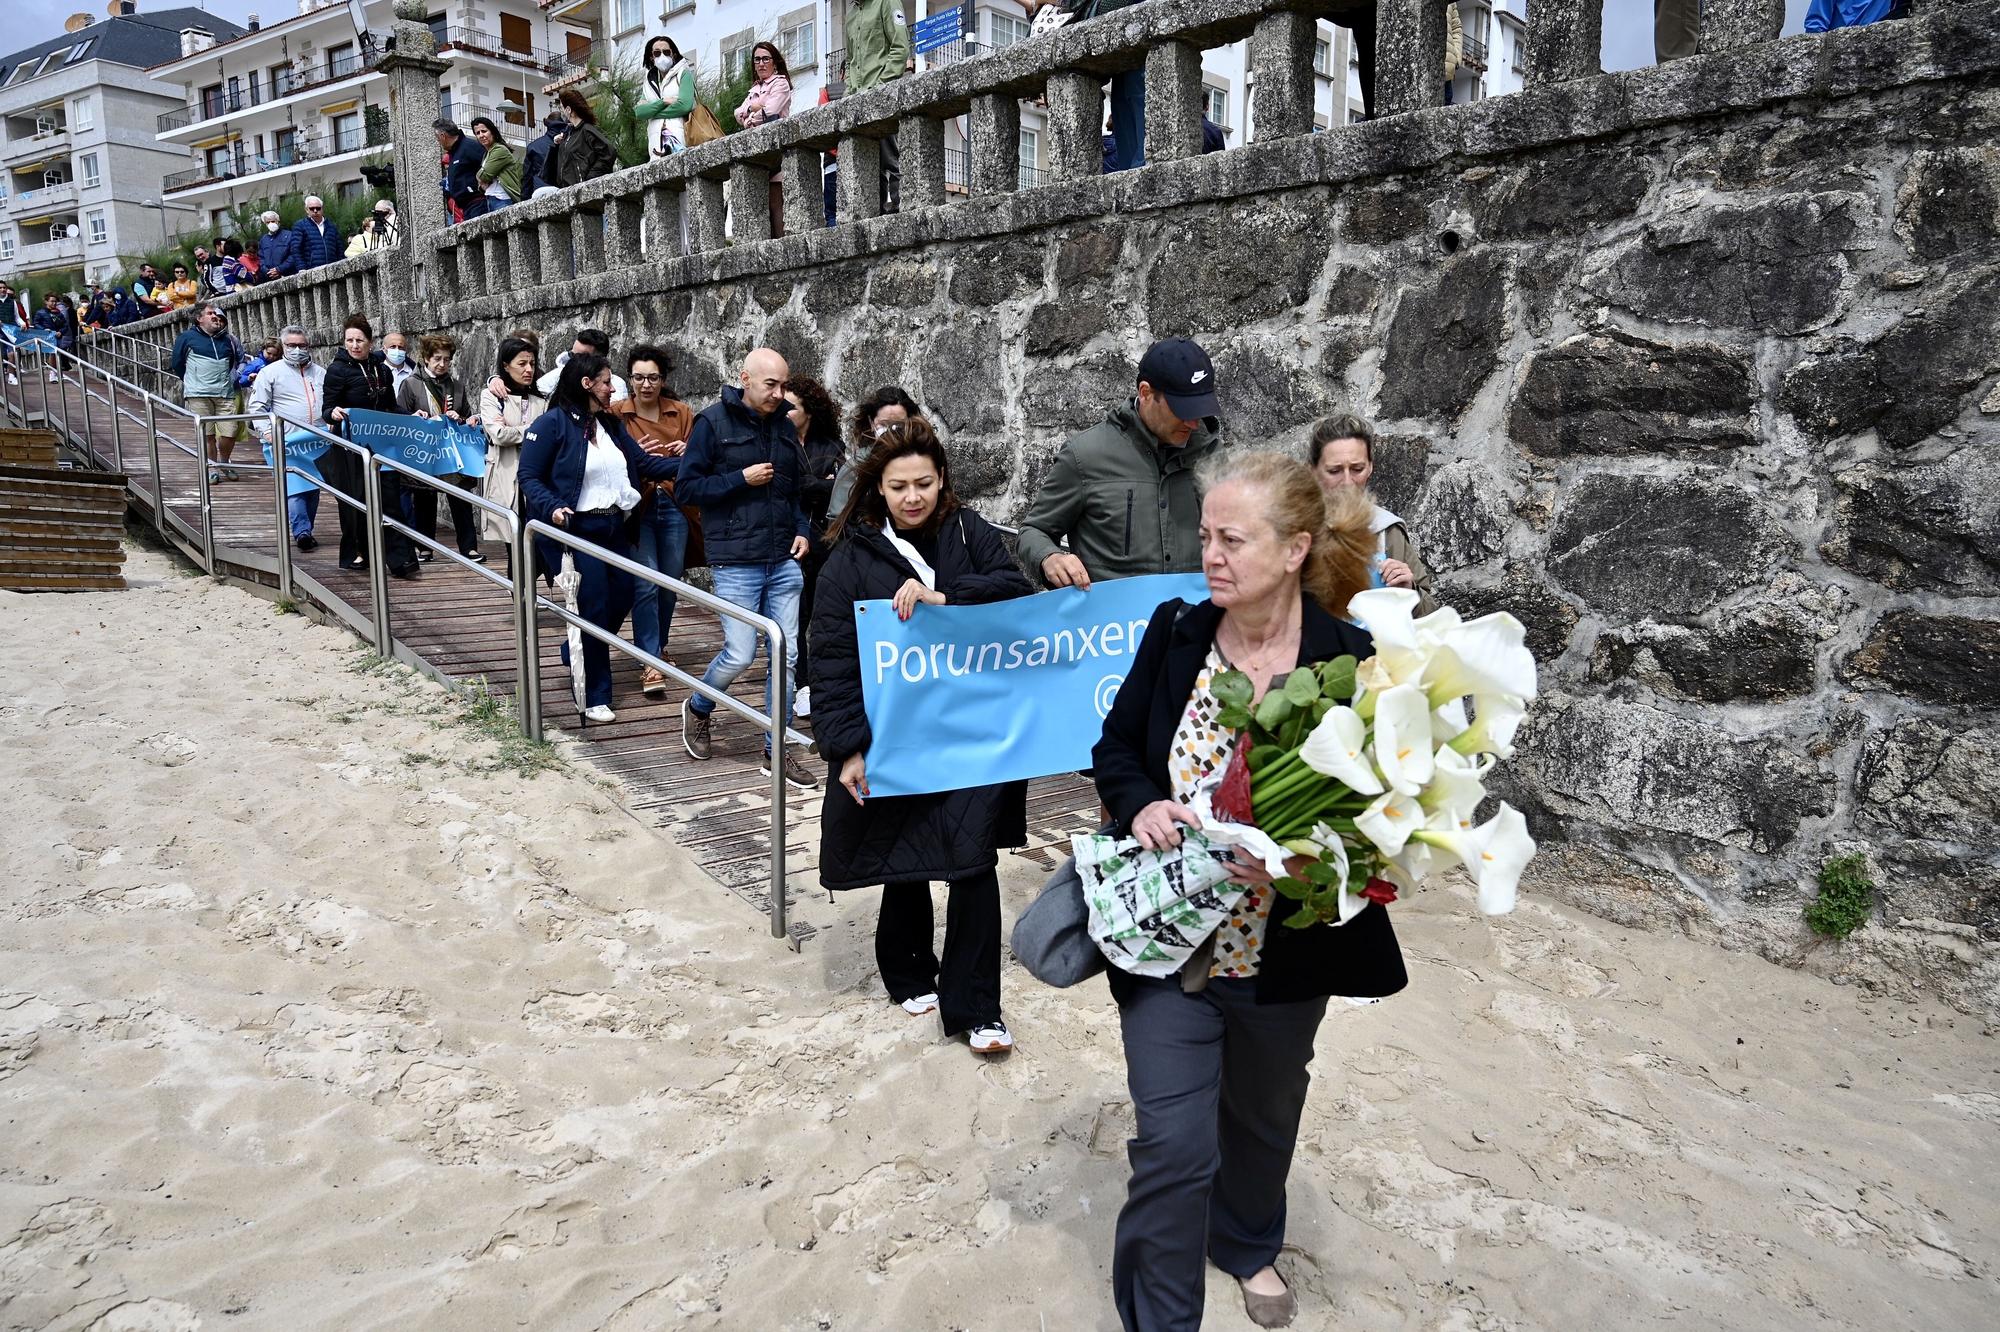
314,1016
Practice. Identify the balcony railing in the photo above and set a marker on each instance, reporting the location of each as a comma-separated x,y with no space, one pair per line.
474,41
49,252
38,141
1474,56
218,104
305,148
48,196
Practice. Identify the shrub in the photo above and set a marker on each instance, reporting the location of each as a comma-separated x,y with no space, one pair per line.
1846,895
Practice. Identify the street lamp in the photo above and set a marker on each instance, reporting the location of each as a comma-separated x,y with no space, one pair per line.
160,204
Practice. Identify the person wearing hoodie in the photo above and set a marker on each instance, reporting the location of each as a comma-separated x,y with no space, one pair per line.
1342,453
879,51
1826,15
538,159
124,310
1125,492
204,360
669,100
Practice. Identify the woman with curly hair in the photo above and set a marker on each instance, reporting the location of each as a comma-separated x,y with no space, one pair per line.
882,408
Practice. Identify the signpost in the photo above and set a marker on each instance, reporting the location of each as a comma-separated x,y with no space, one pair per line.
941,29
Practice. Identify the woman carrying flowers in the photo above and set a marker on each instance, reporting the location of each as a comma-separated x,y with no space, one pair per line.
1216,1056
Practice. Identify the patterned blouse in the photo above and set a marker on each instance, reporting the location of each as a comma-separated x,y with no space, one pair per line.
1200,754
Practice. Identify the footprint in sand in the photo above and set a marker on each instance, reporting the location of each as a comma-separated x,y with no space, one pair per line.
168,750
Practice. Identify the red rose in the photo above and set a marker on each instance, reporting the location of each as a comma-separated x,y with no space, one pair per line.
1380,891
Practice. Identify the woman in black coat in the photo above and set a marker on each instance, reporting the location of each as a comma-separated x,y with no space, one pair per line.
902,506
1216,1056
358,377
582,151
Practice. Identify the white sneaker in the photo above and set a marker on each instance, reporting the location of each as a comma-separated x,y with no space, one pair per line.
802,703
600,713
990,1038
923,1003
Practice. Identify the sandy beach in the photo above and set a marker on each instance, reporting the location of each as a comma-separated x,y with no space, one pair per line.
320,1008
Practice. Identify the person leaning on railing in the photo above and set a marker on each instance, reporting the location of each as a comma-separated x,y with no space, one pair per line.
1342,453
582,151
670,85
499,170
294,388
580,471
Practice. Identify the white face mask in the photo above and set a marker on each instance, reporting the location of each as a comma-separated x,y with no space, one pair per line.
271,227
396,355
663,63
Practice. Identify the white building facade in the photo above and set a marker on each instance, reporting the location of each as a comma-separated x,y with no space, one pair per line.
79,168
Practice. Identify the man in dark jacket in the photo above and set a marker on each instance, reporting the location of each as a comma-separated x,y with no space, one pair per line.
538,160
461,162
744,468
275,250
315,240
1124,491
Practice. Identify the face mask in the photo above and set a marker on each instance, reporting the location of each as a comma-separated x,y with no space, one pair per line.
271,227
397,355
297,356
663,63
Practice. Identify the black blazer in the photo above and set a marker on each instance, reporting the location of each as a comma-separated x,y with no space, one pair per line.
1129,763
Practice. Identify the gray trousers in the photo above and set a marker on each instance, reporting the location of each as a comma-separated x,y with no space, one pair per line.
1218,1083
1676,29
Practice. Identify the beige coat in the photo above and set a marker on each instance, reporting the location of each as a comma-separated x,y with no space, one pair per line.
505,419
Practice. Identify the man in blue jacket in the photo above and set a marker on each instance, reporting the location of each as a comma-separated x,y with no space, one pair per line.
461,160
274,250
1826,15
315,240
743,467
204,360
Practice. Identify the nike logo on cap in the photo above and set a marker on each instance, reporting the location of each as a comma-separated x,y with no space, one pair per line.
1197,376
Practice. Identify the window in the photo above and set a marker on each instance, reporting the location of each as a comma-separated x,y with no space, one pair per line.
1215,104
83,114
735,58
86,167
211,101
440,30
342,60
799,43
285,147
347,132
351,189
79,51
516,35
1030,157
218,160
517,106
20,72
282,80
1323,58
94,229
444,104
629,14
1009,31
7,246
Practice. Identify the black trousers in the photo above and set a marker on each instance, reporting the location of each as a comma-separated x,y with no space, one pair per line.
603,597
463,521
968,981
1218,1082
343,471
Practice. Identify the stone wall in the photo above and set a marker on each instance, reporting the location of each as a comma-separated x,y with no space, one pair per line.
1692,369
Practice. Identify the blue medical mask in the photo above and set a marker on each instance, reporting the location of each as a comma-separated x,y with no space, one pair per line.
397,355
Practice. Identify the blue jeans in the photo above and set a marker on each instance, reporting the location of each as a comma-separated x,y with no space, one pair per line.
663,539
303,509
1128,120
772,590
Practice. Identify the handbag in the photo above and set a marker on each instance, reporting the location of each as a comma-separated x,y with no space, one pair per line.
702,126
1052,937
1050,17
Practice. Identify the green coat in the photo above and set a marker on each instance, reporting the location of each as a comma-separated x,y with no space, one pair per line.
1128,504
878,43
503,166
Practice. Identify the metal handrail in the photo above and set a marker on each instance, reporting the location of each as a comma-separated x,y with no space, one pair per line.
774,645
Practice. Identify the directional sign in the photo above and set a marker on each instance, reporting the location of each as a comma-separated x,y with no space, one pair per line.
940,29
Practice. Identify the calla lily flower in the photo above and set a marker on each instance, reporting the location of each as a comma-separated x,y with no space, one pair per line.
1390,821
1401,654
1337,748
1488,655
1497,717
1448,720
1457,787
1403,738
1334,853
1494,854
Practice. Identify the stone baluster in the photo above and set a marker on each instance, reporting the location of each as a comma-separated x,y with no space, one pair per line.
1565,38
750,201
624,230
660,212
1173,102
800,183
553,235
524,259
860,187
1076,125
1286,95
1409,55
1730,25
496,259
994,131
707,205
586,238
448,283
921,140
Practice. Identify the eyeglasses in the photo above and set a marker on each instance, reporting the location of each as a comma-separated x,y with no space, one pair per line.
646,379
760,60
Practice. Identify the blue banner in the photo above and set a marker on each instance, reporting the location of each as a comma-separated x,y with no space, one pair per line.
302,450
969,695
428,446
40,339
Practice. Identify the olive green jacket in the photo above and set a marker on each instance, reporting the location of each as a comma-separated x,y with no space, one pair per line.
503,166
1128,504
878,43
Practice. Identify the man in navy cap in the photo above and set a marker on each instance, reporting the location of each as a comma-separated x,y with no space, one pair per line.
1124,491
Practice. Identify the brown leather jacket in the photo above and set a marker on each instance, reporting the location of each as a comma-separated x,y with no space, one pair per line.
676,420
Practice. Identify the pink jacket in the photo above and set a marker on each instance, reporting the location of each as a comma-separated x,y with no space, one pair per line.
768,99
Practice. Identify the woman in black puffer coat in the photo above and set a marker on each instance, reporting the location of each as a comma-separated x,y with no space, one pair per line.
358,377
903,537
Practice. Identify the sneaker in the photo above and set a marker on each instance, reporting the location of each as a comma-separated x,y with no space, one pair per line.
802,703
920,1005
215,476
600,713
694,733
990,1038
796,772
652,683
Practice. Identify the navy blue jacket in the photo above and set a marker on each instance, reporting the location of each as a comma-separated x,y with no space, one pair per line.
551,468
538,164
461,176
277,254
311,248
742,523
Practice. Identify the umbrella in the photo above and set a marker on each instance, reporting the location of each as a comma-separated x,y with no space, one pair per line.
569,580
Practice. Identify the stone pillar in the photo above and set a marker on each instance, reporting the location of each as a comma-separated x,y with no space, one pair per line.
1281,53
921,140
1076,125
1173,101
558,260
586,239
860,189
1731,25
413,71
805,206
660,212
447,286
994,131
1409,53
524,259
495,260
750,202
624,227
708,212
1564,42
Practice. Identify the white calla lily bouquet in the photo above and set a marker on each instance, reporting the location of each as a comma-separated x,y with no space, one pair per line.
1374,769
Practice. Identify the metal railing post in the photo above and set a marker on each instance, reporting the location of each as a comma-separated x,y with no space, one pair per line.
774,646
530,643
207,499
282,480
62,393
117,426
378,574
153,448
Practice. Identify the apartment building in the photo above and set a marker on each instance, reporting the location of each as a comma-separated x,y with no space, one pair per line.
300,104
79,169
